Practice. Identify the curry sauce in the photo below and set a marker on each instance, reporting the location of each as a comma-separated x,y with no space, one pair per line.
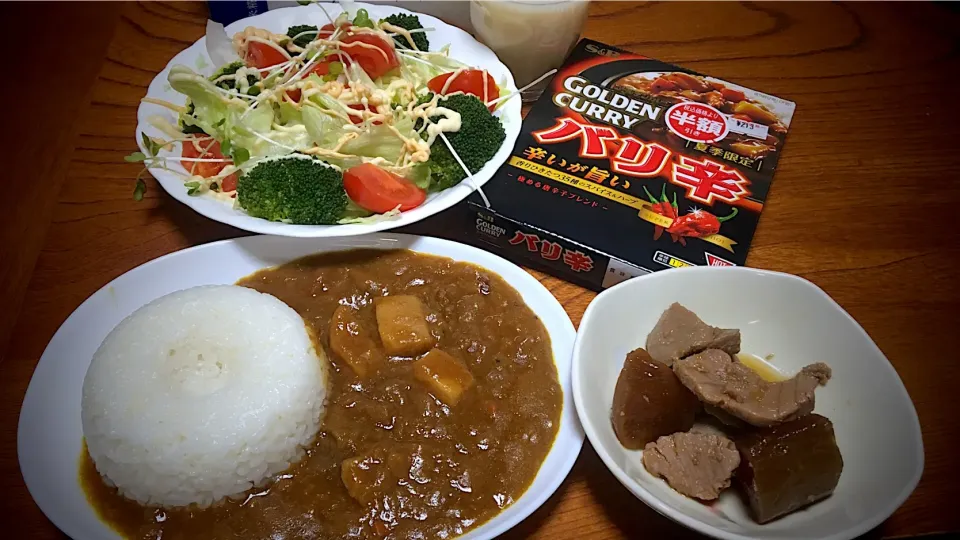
427,469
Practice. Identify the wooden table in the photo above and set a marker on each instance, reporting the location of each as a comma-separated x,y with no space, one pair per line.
864,203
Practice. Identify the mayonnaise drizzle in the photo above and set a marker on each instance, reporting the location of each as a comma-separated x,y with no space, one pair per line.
449,81
164,103
368,46
268,42
165,126
485,93
401,31
450,121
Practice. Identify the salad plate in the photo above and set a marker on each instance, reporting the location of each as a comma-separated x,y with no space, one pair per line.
449,48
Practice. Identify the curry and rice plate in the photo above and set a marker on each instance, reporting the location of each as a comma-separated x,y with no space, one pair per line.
441,402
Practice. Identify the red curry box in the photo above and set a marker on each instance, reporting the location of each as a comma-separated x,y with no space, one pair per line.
627,165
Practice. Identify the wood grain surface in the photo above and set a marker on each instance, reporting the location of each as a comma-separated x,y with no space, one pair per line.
864,203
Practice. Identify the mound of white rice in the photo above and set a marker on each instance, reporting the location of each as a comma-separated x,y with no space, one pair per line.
202,394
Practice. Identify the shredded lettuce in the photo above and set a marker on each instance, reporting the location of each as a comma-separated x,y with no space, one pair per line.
242,129
356,74
368,219
324,130
381,141
354,211
289,114
326,101
230,121
211,108
420,68
420,175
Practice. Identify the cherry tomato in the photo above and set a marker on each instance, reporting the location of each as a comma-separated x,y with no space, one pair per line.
322,67
229,183
377,190
470,81
357,119
207,169
327,30
261,55
374,54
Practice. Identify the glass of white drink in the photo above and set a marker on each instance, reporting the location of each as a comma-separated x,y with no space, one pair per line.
530,36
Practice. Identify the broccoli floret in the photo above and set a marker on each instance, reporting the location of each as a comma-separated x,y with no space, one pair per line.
409,22
231,84
479,138
302,40
297,189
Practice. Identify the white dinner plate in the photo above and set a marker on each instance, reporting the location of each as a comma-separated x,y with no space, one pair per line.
462,47
49,436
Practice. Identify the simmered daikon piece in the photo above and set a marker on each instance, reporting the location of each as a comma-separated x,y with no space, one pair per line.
788,466
649,402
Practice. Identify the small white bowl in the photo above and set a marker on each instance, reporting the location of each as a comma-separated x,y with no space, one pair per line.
875,422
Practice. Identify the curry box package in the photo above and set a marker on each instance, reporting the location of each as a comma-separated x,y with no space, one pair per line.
627,165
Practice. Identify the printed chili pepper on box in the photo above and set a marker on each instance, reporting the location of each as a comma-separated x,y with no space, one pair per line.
643,165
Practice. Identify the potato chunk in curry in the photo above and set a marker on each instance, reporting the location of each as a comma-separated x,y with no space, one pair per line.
379,470
446,377
366,476
352,343
402,322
